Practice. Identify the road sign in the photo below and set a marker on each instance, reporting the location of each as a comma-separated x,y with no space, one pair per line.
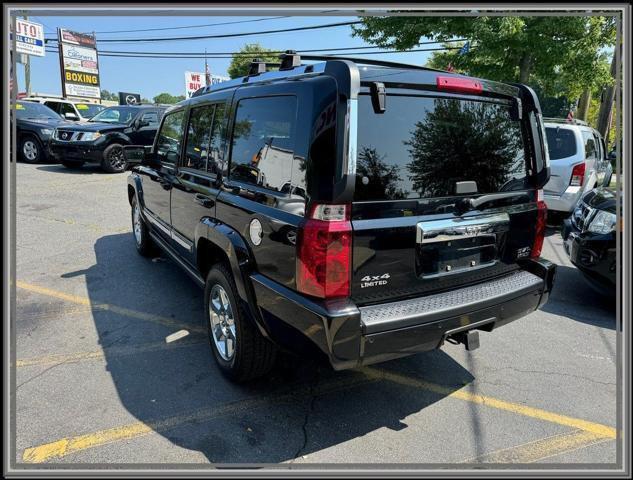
29,37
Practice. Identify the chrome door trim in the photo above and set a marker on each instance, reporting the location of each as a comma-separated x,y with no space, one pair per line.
179,239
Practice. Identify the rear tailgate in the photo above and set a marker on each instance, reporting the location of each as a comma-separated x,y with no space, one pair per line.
418,165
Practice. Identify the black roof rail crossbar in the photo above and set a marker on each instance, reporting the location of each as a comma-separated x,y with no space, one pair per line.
289,60
379,63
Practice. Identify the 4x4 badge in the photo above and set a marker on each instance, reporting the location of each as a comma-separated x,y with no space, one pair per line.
374,280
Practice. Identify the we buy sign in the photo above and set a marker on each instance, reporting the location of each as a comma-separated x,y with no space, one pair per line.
193,81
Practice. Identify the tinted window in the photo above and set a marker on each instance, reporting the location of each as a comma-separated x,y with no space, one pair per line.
263,141
216,163
561,142
198,136
591,151
66,108
151,118
421,146
34,110
53,106
170,137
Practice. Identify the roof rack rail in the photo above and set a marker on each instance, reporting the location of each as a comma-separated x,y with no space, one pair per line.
565,120
364,61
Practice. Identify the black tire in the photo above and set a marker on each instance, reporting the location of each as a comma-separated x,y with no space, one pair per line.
30,149
71,164
113,159
142,240
253,355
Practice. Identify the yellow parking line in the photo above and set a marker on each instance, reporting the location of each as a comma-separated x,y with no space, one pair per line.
99,354
69,445
80,300
542,448
595,428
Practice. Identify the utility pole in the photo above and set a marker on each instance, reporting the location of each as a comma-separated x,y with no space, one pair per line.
27,68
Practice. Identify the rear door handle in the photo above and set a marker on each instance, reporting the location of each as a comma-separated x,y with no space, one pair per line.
204,200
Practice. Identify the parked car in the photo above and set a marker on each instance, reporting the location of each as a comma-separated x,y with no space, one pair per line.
420,222
589,237
101,139
34,125
578,163
73,110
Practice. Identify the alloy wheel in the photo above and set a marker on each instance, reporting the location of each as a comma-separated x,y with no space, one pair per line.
222,322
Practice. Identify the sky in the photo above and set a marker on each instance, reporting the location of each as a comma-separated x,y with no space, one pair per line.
151,76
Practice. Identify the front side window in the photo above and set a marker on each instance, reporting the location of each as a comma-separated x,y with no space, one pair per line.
170,137
591,152
262,149
198,136
151,118
422,146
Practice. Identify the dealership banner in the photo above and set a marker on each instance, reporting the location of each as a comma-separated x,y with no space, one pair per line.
196,80
29,38
79,63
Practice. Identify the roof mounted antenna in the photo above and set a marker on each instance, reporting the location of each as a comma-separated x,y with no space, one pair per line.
289,60
257,66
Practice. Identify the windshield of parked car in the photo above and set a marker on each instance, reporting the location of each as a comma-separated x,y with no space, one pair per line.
561,142
88,110
422,146
24,110
115,115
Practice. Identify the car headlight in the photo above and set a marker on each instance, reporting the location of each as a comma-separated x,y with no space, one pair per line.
602,222
46,131
90,136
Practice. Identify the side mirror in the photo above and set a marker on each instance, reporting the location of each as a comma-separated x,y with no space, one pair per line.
142,123
138,155
71,116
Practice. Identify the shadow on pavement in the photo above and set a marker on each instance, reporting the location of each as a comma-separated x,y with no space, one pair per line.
83,170
303,406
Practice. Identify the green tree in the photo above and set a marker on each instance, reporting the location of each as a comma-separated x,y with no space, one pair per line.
562,54
241,61
168,98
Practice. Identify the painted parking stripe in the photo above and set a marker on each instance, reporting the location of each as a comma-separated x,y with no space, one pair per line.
59,359
542,448
524,410
128,312
69,445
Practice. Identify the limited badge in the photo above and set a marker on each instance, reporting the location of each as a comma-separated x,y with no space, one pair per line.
256,232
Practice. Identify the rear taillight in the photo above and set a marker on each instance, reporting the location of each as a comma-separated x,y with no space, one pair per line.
541,219
457,84
578,175
324,252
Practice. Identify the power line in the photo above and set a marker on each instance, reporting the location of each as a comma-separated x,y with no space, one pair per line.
194,26
224,35
254,53
161,55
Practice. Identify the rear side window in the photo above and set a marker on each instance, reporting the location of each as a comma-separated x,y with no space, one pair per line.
561,142
170,137
198,136
262,149
591,149
421,146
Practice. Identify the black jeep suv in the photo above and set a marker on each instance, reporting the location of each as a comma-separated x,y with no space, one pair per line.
367,208
101,139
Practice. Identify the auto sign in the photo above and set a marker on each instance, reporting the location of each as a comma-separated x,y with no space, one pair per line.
29,38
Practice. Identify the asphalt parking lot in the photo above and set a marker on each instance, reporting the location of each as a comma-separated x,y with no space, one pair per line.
112,365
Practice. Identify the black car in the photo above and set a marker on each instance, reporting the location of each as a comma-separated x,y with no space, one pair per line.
589,237
34,124
368,209
101,139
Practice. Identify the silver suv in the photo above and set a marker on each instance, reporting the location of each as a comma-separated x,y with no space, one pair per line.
578,162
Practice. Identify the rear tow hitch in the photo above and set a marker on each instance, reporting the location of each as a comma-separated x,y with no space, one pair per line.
469,339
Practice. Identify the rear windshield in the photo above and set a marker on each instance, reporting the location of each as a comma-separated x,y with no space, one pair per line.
561,142
421,146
